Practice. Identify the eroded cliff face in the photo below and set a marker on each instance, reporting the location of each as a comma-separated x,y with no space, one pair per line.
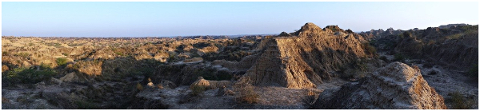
396,86
243,65
307,59
454,47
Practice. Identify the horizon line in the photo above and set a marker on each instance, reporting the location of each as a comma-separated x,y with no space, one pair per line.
228,35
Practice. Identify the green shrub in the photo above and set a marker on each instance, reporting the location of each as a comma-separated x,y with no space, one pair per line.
224,75
212,74
207,73
455,36
85,104
468,28
61,61
460,102
369,49
197,90
195,54
473,72
120,53
5,53
180,48
201,45
361,66
144,67
171,68
21,54
399,57
57,45
45,66
28,76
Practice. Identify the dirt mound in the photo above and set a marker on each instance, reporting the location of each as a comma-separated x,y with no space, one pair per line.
305,60
334,28
308,29
396,86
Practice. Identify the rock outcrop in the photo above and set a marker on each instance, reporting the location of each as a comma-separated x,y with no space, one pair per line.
380,33
243,65
306,59
455,47
458,49
396,86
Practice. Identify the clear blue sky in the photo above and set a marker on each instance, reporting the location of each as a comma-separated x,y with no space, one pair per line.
140,19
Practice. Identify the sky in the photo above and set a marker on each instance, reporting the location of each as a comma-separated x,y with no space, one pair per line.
161,19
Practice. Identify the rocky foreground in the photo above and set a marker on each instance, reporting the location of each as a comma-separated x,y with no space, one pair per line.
395,86
313,67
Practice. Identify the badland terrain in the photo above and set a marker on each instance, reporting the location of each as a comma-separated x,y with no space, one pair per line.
313,67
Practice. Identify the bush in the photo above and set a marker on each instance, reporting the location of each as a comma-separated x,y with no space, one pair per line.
85,105
180,48
384,58
455,36
460,102
61,61
348,74
361,66
399,57
369,49
223,75
201,45
310,98
197,90
249,95
246,94
120,53
23,55
473,72
57,45
139,86
5,53
45,66
28,76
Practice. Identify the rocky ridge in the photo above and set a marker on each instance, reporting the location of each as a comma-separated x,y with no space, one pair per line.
396,86
307,59
288,71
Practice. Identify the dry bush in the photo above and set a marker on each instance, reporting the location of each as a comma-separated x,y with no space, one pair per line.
245,93
160,86
139,86
91,68
4,68
460,102
197,90
369,49
210,84
310,98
